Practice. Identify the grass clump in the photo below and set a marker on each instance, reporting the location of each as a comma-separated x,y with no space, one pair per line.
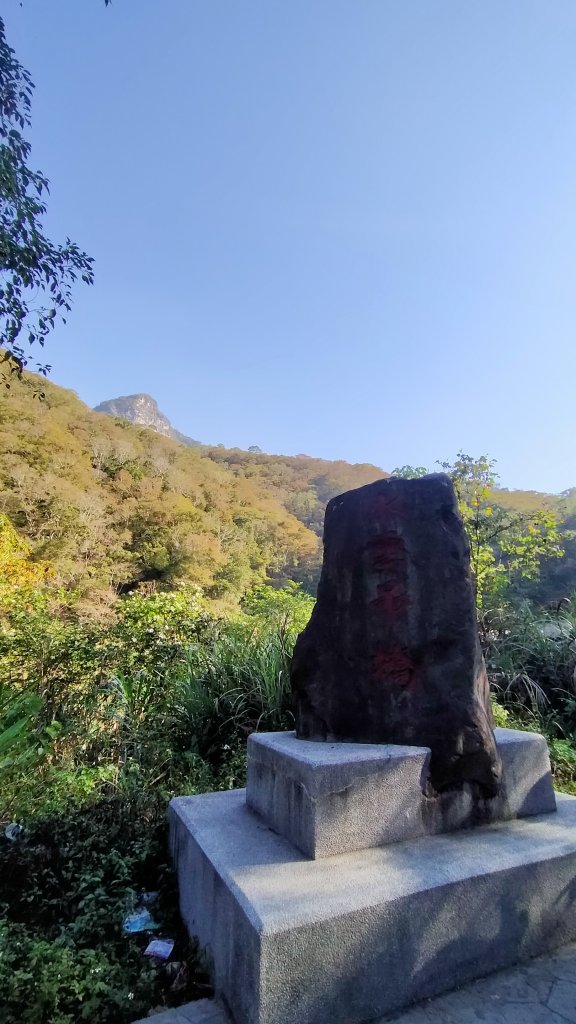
531,660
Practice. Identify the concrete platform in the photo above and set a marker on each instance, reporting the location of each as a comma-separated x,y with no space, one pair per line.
329,798
356,936
542,991
202,1011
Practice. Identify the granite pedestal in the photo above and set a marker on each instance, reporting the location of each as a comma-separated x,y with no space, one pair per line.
330,798
345,938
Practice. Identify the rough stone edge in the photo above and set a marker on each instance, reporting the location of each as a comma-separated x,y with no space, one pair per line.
199,1011
545,939
239,926
326,777
295,791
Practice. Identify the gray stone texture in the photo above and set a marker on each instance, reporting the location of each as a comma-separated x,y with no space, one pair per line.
542,991
352,937
202,1011
391,653
330,798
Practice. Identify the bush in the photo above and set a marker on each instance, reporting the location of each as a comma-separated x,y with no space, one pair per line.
237,685
531,662
65,887
56,982
160,702
97,693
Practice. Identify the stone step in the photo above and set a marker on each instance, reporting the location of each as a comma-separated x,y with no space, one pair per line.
350,938
542,991
202,1011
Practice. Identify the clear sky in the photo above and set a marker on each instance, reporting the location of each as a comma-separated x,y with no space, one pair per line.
339,227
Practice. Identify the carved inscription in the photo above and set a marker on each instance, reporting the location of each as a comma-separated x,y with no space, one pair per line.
391,653
393,665
386,568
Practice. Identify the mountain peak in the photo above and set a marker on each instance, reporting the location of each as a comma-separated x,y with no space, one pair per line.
142,409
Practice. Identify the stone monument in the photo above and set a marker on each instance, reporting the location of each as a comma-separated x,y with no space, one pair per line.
391,653
394,846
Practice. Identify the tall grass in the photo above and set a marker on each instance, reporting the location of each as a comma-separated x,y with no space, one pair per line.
179,727
531,661
238,684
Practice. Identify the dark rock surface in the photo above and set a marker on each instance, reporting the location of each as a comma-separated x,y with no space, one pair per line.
391,653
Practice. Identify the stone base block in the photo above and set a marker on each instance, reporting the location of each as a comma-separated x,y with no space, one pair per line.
330,798
346,939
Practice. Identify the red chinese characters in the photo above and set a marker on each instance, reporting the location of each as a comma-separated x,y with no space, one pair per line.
386,558
387,553
394,667
391,598
389,506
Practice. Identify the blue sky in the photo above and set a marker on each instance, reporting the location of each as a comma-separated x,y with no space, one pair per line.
339,227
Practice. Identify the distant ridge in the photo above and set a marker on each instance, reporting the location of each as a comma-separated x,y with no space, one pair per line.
143,410
114,506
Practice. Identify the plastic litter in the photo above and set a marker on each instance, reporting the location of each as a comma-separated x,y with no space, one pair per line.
140,921
159,948
13,831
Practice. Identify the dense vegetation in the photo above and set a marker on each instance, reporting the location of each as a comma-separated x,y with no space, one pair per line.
99,726
112,506
150,595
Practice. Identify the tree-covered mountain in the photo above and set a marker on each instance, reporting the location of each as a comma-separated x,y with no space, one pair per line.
112,505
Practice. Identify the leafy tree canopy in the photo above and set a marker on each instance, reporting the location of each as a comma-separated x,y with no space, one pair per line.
505,544
36,274
19,575
410,472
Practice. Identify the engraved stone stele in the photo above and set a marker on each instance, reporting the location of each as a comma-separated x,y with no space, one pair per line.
391,653
353,878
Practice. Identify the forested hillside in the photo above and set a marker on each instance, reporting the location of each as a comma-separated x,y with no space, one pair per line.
111,505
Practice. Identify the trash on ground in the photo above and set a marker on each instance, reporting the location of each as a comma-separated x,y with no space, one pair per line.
13,831
140,921
159,948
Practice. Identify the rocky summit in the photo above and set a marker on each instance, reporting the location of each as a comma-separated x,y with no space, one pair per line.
143,409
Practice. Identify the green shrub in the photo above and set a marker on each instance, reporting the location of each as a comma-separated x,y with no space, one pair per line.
284,610
53,981
100,725
563,759
65,889
531,661
500,715
226,690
